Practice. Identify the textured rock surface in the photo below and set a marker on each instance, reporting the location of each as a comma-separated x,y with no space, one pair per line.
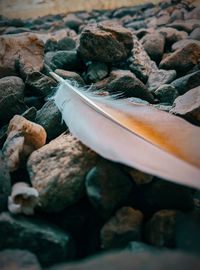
70,75
11,85
5,183
166,93
63,185
159,77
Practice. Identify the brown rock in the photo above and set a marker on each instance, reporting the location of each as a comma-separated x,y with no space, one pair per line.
70,75
172,35
195,34
182,59
11,85
23,49
188,106
194,14
184,42
186,26
57,171
122,228
105,42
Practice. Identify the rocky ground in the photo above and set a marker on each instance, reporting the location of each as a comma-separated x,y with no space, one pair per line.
61,202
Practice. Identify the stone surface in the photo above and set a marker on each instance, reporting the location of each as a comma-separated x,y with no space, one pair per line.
186,26
188,106
166,93
39,84
72,21
25,49
107,187
5,183
123,227
63,185
11,85
49,117
50,244
105,42
182,43
195,34
159,77
137,247
70,75
66,43
172,35
96,71
183,59
140,178
160,229
154,45
16,259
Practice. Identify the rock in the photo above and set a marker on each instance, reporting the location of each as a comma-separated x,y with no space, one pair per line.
164,260
194,14
72,21
140,63
68,60
159,77
11,85
124,81
63,185
183,59
124,11
154,45
166,93
33,101
172,35
140,178
9,106
188,106
49,117
70,75
163,107
160,229
123,227
186,26
136,25
66,43
105,42
107,187
30,114
137,247
25,49
5,183
97,71
16,259
195,34
182,43
187,82
50,244
39,84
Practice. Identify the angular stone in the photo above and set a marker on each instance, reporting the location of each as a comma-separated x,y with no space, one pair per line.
123,227
5,183
70,75
96,71
166,93
159,77
172,35
49,117
107,187
25,49
16,259
49,243
188,106
105,42
183,59
11,85
63,185
161,228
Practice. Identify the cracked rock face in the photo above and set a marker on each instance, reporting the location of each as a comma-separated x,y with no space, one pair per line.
63,184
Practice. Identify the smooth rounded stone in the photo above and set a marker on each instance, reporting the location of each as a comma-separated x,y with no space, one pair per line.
124,11
193,14
49,243
178,14
66,43
166,93
183,59
172,35
127,260
70,75
123,227
97,71
188,106
63,184
39,84
159,77
105,42
160,230
182,43
5,183
186,26
72,21
107,187
137,247
68,60
136,25
50,118
25,49
16,259
50,45
161,194
11,85
195,34
154,45
9,106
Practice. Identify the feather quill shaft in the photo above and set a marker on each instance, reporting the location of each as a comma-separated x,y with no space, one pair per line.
137,135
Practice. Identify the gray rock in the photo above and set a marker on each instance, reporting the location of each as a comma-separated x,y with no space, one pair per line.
72,21
63,184
181,43
11,85
195,34
49,243
123,227
66,43
107,187
49,117
70,75
159,77
97,71
161,229
163,107
5,183
166,93
186,26
30,114
136,25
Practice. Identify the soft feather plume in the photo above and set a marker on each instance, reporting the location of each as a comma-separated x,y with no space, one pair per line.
137,135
